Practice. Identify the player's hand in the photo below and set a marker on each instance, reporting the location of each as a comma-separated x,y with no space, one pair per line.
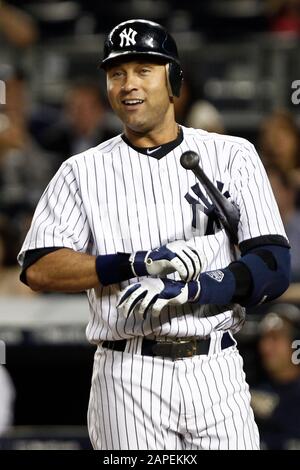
175,256
156,294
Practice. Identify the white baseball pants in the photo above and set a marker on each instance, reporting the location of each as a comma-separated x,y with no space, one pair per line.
151,403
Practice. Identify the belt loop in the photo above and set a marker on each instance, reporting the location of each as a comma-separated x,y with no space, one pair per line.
215,342
128,347
233,339
212,345
139,344
134,345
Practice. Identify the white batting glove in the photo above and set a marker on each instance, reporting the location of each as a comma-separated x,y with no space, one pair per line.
156,294
174,256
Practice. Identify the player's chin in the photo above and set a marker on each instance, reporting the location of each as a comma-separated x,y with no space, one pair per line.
135,117
136,124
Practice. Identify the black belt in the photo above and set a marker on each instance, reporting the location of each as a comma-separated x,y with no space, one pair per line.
172,348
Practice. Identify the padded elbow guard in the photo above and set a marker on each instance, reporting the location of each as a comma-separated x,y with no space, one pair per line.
269,267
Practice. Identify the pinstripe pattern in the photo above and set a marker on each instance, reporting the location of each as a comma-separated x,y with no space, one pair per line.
111,198
196,403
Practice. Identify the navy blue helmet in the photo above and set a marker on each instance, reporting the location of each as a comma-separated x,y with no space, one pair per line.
144,38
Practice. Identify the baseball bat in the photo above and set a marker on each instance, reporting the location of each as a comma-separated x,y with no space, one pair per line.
226,211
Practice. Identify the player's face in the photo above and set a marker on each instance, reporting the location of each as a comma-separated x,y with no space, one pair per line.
138,94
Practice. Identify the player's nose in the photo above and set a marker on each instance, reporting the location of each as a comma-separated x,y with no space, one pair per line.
129,83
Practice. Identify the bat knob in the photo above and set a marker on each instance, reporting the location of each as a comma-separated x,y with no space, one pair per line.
189,160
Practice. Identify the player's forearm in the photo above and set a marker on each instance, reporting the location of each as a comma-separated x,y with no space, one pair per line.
63,270
260,275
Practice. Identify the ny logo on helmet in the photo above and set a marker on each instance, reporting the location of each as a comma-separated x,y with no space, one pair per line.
128,37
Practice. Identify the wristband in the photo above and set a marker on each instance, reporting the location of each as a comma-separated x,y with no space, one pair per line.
112,269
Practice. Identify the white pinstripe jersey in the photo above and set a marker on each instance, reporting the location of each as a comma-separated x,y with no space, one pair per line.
112,199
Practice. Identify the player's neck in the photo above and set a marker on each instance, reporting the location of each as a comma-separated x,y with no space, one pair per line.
158,136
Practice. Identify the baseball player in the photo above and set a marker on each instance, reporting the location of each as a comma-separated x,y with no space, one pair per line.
125,222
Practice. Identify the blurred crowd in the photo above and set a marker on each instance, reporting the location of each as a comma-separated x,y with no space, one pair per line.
35,138
275,399
216,18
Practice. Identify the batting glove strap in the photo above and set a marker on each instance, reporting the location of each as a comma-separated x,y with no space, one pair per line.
194,289
138,263
174,256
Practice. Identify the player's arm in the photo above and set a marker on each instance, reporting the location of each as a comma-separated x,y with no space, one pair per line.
60,222
59,269
260,275
263,271
179,255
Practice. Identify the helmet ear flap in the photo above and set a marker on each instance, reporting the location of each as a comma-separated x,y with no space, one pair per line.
174,78
170,91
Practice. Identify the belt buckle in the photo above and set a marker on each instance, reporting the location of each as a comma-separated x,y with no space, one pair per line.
183,348
176,348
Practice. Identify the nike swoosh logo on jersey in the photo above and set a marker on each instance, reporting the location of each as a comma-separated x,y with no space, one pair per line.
154,150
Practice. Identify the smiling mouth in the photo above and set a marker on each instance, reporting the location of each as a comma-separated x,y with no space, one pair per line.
132,102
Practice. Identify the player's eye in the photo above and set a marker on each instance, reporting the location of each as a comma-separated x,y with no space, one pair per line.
145,71
117,74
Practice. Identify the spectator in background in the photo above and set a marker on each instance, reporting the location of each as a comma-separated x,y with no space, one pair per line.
84,123
284,16
7,397
276,401
16,26
10,284
189,94
25,168
14,112
183,102
204,115
193,110
280,141
285,193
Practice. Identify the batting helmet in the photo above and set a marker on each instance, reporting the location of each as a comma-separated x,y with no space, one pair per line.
144,38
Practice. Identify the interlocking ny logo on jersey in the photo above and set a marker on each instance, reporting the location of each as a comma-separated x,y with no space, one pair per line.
128,37
206,207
